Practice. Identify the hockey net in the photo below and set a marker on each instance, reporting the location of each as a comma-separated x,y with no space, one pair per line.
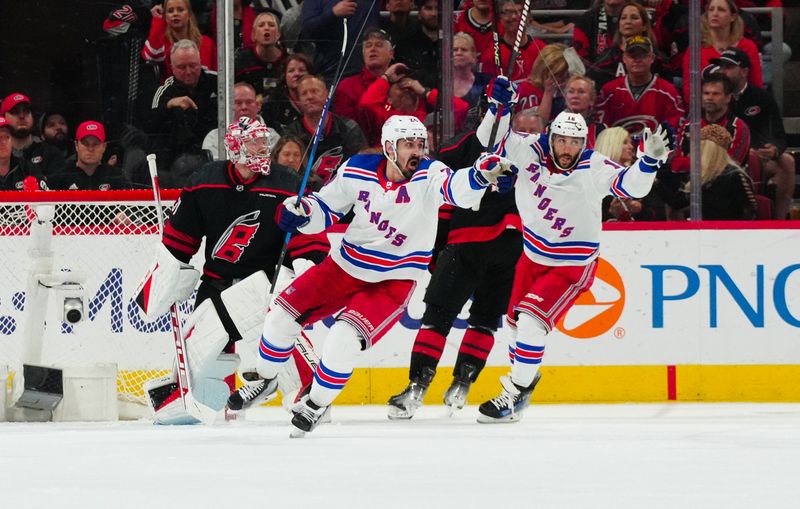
108,237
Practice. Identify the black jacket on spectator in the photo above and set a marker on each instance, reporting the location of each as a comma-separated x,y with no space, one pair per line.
728,197
18,171
104,178
42,158
341,139
760,112
422,56
278,110
175,131
264,76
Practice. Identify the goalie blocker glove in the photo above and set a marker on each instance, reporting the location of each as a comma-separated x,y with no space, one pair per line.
492,169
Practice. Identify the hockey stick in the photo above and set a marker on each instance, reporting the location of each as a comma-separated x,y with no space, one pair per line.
194,408
523,21
340,68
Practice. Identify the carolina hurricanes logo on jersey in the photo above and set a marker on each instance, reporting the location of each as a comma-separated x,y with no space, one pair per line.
752,111
328,162
635,124
237,237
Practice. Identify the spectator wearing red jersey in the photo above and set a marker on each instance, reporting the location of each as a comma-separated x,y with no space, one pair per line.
261,64
477,22
510,16
721,27
377,52
397,94
173,22
640,99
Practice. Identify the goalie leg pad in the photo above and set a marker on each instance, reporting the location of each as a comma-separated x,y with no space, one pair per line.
167,281
246,303
205,339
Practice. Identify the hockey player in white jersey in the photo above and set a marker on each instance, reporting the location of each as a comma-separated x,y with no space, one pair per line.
371,277
559,192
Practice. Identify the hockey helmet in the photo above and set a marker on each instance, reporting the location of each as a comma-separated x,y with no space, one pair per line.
238,134
401,127
569,124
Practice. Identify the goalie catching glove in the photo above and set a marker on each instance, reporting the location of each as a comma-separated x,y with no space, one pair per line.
492,169
655,147
168,281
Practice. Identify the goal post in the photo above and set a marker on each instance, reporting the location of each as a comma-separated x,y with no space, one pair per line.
109,238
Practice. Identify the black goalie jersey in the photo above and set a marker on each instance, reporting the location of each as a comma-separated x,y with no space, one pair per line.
236,217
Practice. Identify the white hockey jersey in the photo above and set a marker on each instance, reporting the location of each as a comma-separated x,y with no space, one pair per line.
392,234
561,211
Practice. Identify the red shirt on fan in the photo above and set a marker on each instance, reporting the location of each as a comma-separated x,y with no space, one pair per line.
707,53
523,64
157,48
481,34
658,102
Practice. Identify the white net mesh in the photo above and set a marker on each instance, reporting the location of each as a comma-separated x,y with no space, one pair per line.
112,244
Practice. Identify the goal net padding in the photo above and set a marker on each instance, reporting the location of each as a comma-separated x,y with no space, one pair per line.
109,237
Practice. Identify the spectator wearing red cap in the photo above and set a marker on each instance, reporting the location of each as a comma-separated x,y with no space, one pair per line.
41,157
13,170
89,173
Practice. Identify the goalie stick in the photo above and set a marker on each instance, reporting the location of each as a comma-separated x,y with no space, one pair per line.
194,408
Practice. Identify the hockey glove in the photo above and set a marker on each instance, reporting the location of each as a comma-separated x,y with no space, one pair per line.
655,146
290,217
502,91
492,169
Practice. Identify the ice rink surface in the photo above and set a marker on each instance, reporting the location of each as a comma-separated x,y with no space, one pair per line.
562,456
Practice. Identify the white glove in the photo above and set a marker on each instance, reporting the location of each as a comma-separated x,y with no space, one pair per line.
655,146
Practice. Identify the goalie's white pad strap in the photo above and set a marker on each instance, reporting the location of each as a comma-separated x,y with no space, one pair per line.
168,281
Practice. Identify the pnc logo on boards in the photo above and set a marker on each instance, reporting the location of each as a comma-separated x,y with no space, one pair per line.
597,310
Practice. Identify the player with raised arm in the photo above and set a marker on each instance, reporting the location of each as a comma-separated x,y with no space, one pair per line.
395,198
231,204
559,193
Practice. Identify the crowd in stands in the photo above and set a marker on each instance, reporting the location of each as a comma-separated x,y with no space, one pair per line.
622,64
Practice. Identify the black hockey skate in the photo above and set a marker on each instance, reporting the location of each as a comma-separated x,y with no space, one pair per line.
455,397
307,415
254,391
508,406
405,404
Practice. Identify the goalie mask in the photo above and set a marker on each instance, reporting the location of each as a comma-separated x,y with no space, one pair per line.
403,127
571,125
247,143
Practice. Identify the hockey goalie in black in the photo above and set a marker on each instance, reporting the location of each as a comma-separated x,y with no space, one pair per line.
232,205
